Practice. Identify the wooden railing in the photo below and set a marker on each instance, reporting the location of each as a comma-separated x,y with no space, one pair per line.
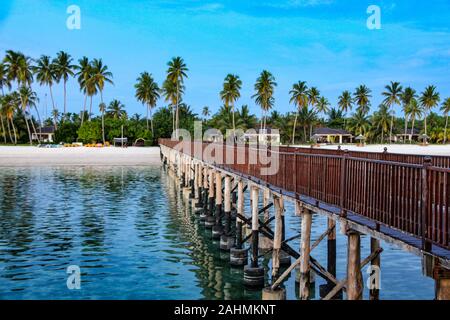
399,192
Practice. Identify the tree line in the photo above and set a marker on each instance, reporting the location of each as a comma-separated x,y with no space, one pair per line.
311,109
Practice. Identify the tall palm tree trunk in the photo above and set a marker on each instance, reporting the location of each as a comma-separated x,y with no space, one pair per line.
9,130
147,119
65,100
445,130
295,125
14,130
90,108
234,123
84,108
390,131
3,128
426,116
54,108
177,119
412,129
304,132
32,124
406,128
103,127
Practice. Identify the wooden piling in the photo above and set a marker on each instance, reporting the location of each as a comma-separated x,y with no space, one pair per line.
255,226
304,286
374,291
264,242
278,236
354,275
240,211
442,283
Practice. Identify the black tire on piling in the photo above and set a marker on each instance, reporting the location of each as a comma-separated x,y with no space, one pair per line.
226,242
238,257
254,277
210,222
217,232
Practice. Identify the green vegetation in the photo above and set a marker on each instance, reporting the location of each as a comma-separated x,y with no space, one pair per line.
18,104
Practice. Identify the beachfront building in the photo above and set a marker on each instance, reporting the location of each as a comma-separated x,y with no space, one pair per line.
330,135
263,136
402,137
44,134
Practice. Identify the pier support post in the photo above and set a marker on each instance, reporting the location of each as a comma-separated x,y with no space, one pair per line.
209,221
442,283
331,261
265,243
304,283
253,274
199,192
226,240
354,276
374,290
278,236
218,229
238,255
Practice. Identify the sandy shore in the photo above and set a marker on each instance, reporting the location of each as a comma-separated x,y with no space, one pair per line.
437,150
34,156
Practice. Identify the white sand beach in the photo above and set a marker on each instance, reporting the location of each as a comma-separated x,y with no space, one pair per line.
21,156
436,150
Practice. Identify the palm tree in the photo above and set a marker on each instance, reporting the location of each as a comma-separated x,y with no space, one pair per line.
323,105
63,68
264,89
362,97
415,111
147,92
10,104
29,99
3,83
46,75
380,120
230,93
116,110
392,97
428,100
359,123
100,76
102,108
18,68
446,109
176,73
84,69
406,97
313,97
247,120
345,102
170,92
300,98
205,112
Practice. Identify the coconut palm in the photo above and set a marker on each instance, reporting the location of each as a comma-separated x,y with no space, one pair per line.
300,98
323,105
116,110
429,99
392,97
362,97
247,119
170,92
176,72
64,69
446,109
415,111
230,93
3,83
359,123
206,112
18,68
102,108
406,97
100,76
84,72
264,89
10,103
313,97
147,92
345,102
28,100
381,119
45,73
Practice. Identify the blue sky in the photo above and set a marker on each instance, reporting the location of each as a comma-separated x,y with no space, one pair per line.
323,42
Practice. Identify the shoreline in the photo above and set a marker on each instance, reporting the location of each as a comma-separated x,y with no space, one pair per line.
21,156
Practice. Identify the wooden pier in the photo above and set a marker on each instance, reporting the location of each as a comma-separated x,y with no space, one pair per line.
401,199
